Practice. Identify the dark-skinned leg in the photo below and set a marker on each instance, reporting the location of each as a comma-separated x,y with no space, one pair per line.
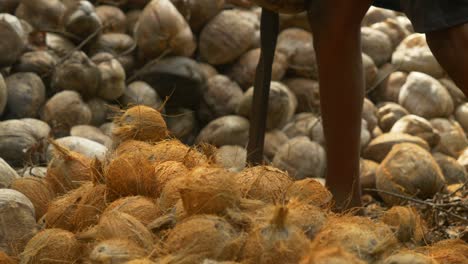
450,47
336,26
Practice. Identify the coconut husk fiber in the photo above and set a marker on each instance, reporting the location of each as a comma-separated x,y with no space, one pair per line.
133,146
140,123
37,190
409,257
209,191
5,259
452,251
330,255
116,251
310,191
177,151
166,171
406,224
142,208
366,239
68,170
170,194
51,246
78,209
263,183
275,241
140,261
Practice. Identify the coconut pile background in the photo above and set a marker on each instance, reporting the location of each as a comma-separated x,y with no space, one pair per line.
125,122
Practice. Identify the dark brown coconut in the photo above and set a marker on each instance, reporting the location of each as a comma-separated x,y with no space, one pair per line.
331,255
311,192
37,190
142,208
407,224
52,246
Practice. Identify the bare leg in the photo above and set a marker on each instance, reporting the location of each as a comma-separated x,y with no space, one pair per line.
450,47
336,26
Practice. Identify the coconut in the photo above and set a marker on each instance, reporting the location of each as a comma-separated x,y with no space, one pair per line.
282,105
416,126
3,94
231,24
274,139
364,238
424,96
447,251
388,114
307,94
119,44
11,50
100,111
51,245
453,171
142,208
409,170
209,191
263,183
204,236
131,146
463,158
198,13
301,158
367,173
309,191
166,171
405,23
112,18
88,148
300,125
78,209
40,62
456,93
140,261
141,93
161,29
332,255
370,71
26,94
170,194
67,170
107,128
292,40
81,20
131,20
369,113
4,258
77,73
221,97
452,137
393,30
233,158
389,89
406,223
409,257
36,172
64,110
112,84
38,192
283,6
18,222
59,45
279,241
42,15
244,70
376,14
7,174
207,70
298,47
182,123
226,130
376,44
461,114
176,151
140,123
116,251
307,217
91,133
379,147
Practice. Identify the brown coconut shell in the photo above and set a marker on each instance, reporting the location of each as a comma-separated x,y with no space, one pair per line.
452,251
226,130
263,183
417,126
331,255
389,113
52,246
140,123
367,173
116,251
455,92
140,261
142,208
5,259
112,18
407,224
78,209
454,172
379,147
174,150
37,190
198,13
310,191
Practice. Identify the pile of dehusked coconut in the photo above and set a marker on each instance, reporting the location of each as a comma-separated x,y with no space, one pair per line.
139,183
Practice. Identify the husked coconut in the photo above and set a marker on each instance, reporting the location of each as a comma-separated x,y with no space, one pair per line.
292,40
131,20
88,148
369,113
198,12
380,146
376,44
405,23
417,126
207,70
288,7
18,222
100,111
301,158
59,45
376,15
424,96
182,123
274,139
452,137
91,133
112,18
282,105
461,114
141,93
42,129
112,84
82,21
393,30
226,130
26,94
368,170
7,174
455,92
463,158
41,14
389,89
38,192
406,223
142,208
310,191
413,55
409,257
40,62
370,70
51,245
409,170
233,158
11,30
117,251
162,29
300,125
226,37
3,95
388,114
330,255
453,171
307,93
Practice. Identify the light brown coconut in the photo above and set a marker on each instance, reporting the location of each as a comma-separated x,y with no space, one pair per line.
376,44
7,174
10,29
81,20
116,251
453,171
388,114
140,261
141,93
18,222
463,158
112,18
119,44
130,146
455,92
226,130
299,49
417,126
38,192
88,148
452,137
204,236
142,208
405,22
140,123
370,71
183,124
131,20
42,15
67,170
198,12
167,171
376,14
176,151
406,223
3,94
77,73
364,238
274,139
209,191
461,114
300,125
282,105
40,62
409,170
263,183
450,251
279,241
228,24
232,158
301,158
368,169
26,94
424,96
170,194
112,84
78,209
58,44
293,40
51,245
330,255
244,70
369,113
92,133
41,128
5,259
307,94
207,70
409,257
393,30
310,191
389,89
107,128
379,147
161,29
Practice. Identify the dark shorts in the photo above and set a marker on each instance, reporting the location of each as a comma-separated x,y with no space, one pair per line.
430,15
